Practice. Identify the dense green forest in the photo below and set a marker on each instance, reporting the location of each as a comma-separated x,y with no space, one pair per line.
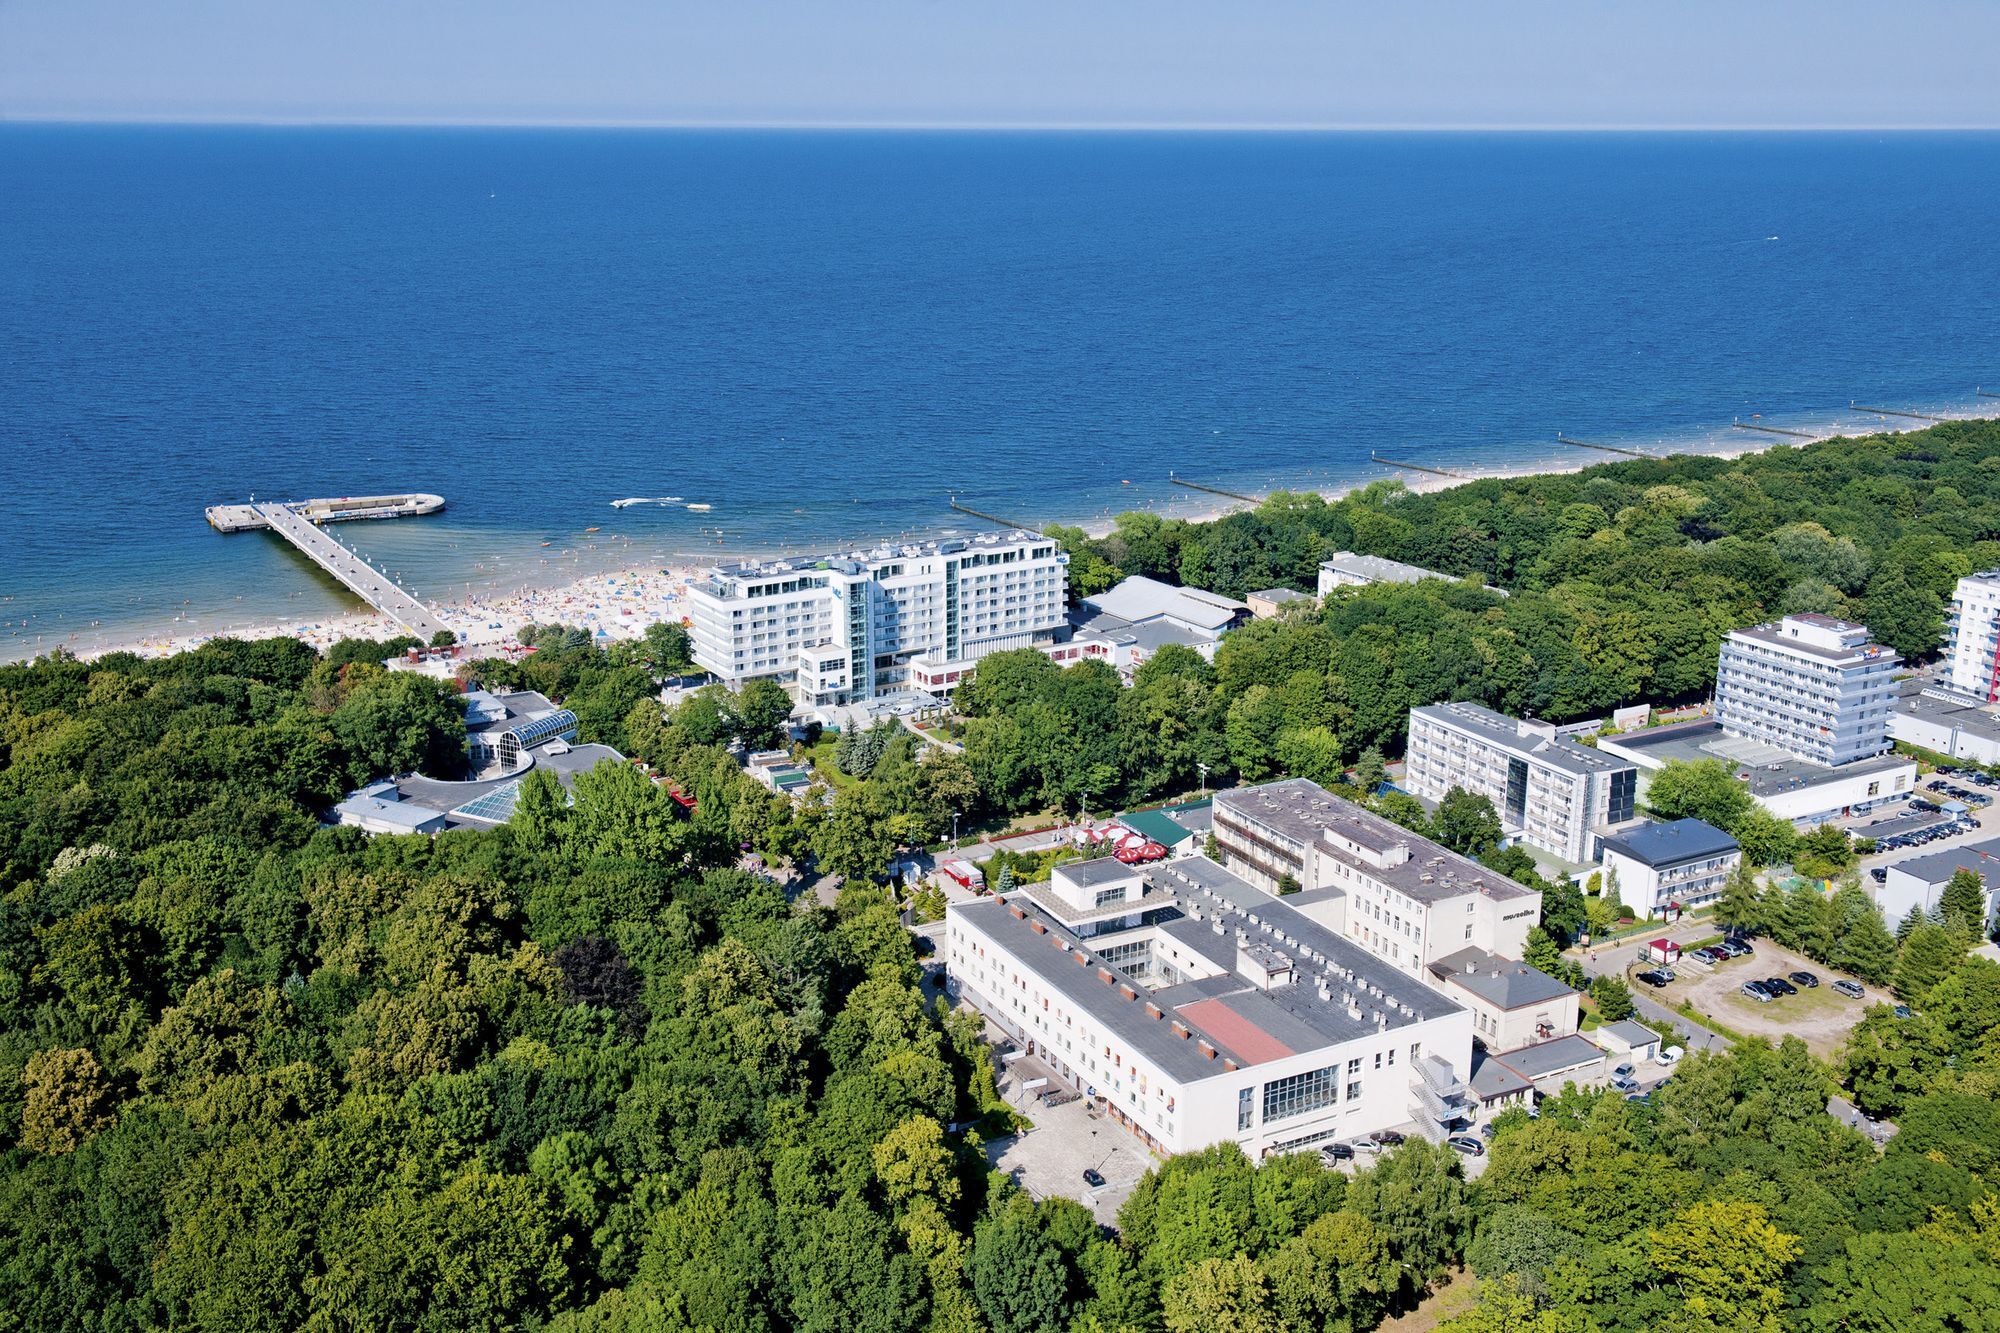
590,1072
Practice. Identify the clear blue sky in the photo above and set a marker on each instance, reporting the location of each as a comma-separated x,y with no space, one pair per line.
1300,62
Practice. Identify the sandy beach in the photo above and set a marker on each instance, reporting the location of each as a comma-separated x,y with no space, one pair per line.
622,603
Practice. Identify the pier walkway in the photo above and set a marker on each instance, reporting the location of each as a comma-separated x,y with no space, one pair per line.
361,578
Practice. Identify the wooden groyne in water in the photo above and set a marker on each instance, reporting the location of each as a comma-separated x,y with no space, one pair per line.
990,518
1892,412
1607,448
1772,430
1418,467
1213,490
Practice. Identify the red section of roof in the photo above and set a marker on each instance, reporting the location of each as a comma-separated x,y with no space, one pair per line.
1238,1035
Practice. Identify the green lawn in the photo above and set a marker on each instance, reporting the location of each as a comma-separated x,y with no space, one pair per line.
820,756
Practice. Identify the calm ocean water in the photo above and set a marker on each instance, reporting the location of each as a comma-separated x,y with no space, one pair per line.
825,335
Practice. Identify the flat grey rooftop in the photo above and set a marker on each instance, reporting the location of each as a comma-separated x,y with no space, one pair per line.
1551,1057
1501,982
1378,569
1696,741
799,564
1631,1033
1096,871
1770,637
1300,811
1981,858
1491,1079
1965,715
1673,843
1503,732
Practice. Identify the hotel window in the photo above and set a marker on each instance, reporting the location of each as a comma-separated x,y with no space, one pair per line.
1299,1094
1244,1106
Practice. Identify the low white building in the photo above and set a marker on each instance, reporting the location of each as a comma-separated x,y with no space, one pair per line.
1626,1040
1686,862
1395,893
506,736
1139,600
1918,883
1940,720
1345,569
1551,1066
1799,791
1202,1010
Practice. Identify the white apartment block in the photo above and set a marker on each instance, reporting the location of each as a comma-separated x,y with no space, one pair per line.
1202,1010
1549,791
843,628
1685,863
1809,685
1396,894
1972,636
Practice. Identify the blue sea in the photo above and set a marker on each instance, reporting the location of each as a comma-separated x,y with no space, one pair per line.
824,336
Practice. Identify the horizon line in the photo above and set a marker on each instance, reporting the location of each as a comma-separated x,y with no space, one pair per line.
976,126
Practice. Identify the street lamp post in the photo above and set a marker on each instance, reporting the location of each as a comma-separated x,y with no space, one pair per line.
1202,769
954,830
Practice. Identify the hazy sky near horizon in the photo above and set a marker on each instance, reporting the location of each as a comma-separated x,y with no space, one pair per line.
1298,62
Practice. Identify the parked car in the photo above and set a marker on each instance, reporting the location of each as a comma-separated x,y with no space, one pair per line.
1387,1137
1624,1071
1780,986
1654,977
1628,1086
1851,989
1468,1145
1366,1145
1671,1055
1756,991
1337,1152
1904,1011
1092,1178
1736,948
1805,979
1486,1130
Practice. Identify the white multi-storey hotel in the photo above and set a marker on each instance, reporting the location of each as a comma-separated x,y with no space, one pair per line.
837,629
1811,686
1972,637
1549,791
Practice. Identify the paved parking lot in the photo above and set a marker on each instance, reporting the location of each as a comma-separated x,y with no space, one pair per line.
1818,1017
1050,1159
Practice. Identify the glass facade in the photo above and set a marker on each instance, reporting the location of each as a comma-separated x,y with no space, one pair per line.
1245,1105
1624,786
1300,1093
1517,790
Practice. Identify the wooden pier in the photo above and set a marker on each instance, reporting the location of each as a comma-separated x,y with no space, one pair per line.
297,521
